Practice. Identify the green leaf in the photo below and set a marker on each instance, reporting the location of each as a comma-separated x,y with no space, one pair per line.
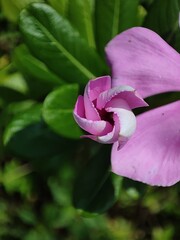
11,9
35,141
22,120
8,95
141,15
146,3
14,81
52,39
45,150
60,7
94,190
15,108
162,18
19,107
14,177
39,232
27,137
13,87
57,111
57,218
128,14
80,15
26,214
112,17
39,79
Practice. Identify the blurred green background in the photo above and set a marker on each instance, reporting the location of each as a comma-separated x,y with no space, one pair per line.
52,184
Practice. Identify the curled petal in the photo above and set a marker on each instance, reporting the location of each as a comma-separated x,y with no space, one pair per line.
92,91
152,155
127,122
110,137
126,93
97,86
142,59
124,124
98,128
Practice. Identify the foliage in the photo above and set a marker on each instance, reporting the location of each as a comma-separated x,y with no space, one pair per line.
53,184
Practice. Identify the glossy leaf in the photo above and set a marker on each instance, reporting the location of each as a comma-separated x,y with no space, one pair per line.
60,6
80,15
35,72
94,190
31,142
128,14
26,136
21,120
53,40
12,109
45,150
162,17
112,17
57,111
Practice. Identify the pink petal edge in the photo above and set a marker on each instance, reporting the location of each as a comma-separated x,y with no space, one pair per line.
92,91
97,128
152,155
140,58
126,93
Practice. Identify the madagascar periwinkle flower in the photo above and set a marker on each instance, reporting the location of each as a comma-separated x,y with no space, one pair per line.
142,60
105,112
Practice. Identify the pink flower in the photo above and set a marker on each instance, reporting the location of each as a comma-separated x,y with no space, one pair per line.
105,111
140,58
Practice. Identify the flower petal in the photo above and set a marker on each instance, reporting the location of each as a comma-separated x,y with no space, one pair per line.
126,119
142,59
94,127
124,123
121,92
92,91
152,155
112,136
